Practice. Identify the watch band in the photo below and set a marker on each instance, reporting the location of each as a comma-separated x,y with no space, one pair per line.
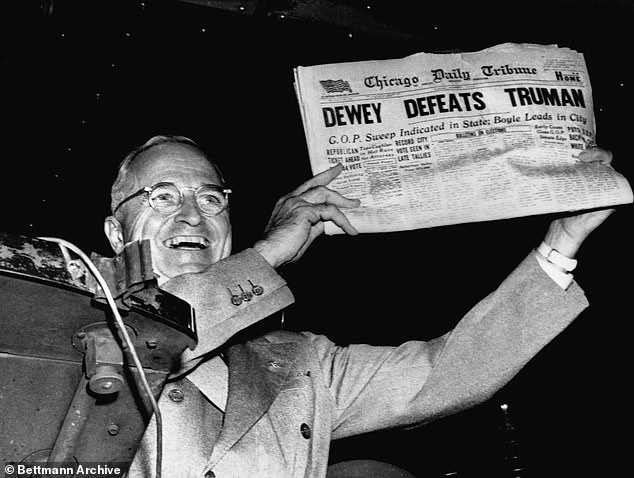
557,258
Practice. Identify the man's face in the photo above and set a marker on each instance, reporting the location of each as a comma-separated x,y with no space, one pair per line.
186,240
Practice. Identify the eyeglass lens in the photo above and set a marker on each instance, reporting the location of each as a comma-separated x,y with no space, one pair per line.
167,198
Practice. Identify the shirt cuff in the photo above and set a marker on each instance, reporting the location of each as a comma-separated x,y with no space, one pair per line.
563,279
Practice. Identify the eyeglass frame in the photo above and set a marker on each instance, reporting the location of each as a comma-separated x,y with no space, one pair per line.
149,189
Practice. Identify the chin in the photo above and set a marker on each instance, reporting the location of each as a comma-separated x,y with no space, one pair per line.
190,268
174,263
173,270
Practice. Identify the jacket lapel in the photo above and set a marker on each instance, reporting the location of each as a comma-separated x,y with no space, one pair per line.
257,373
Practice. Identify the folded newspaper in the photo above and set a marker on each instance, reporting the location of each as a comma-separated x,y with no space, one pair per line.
437,139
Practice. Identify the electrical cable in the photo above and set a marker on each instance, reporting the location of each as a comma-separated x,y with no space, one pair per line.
126,338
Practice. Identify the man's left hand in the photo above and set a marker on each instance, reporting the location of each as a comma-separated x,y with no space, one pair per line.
566,234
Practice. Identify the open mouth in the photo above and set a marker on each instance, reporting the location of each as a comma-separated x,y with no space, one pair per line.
187,243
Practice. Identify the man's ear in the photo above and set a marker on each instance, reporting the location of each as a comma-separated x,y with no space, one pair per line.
114,233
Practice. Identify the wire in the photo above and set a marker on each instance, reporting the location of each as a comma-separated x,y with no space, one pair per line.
126,338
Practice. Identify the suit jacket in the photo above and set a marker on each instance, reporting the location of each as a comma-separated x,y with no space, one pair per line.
290,394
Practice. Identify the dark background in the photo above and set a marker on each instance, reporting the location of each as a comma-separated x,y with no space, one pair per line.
82,82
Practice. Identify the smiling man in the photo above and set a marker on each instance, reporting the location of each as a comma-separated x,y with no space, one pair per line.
268,407
169,192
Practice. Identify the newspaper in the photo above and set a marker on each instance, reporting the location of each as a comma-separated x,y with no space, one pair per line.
437,139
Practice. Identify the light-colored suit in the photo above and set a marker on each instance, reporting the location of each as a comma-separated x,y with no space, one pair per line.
290,394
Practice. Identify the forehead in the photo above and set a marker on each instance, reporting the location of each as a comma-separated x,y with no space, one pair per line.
182,164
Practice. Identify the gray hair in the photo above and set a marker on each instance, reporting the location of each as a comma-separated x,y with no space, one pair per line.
117,193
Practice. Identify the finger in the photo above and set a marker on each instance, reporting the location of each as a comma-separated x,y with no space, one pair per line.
322,194
332,213
596,155
316,195
321,179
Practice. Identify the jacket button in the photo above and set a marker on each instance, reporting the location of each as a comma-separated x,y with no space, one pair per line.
210,474
236,299
256,289
176,395
305,429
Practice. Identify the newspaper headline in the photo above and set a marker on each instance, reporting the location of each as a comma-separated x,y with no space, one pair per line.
436,139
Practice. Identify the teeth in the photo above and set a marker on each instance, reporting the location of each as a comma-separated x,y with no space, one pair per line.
187,242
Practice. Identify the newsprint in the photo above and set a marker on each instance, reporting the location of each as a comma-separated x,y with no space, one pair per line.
436,139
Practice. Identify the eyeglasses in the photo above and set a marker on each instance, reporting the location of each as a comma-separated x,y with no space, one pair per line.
166,198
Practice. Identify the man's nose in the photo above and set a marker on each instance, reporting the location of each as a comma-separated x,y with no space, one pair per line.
189,211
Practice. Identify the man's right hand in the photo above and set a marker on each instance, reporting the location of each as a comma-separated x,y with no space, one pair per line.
298,218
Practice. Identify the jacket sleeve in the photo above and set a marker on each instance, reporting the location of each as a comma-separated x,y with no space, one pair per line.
229,296
382,387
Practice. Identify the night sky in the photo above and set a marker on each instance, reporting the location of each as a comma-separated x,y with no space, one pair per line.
84,84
